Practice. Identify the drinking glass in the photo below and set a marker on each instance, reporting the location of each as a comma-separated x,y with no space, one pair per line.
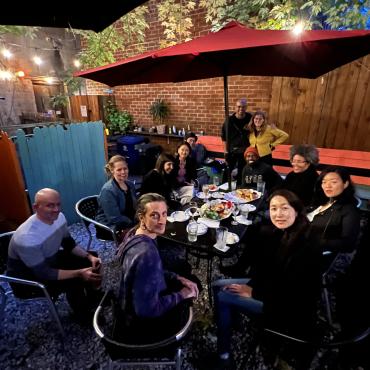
192,231
233,185
221,236
261,187
216,180
193,208
235,212
205,189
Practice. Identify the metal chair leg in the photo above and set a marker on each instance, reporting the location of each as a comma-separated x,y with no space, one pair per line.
178,359
327,306
54,313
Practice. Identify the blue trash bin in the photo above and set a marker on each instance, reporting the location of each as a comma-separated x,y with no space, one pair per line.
126,146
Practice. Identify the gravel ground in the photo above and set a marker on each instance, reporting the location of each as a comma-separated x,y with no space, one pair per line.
29,338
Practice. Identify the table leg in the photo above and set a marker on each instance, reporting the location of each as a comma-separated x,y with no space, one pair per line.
209,280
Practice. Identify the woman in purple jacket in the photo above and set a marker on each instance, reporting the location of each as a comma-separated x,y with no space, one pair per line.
150,299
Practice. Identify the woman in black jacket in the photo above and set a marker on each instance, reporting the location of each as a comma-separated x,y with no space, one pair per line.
285,276
302,179
335,220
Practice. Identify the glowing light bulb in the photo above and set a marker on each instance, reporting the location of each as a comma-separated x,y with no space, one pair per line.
77,63
6,53
6,75
20,74
49,80
37,60
298,28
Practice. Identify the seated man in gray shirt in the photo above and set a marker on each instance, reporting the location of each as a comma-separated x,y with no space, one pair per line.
42,249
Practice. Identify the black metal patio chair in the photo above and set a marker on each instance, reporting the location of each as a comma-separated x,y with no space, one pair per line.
87,208
164,352
39,291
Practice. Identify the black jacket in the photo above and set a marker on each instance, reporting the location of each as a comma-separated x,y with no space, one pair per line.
338,227
287,280
154,182
302,184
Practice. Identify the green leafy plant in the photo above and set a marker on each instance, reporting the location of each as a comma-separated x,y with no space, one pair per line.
159,110
59,101
116,120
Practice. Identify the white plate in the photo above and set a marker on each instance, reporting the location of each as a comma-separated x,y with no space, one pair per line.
224,248
202,229
180,216
232,238
201,195
213,204
217,195
257,195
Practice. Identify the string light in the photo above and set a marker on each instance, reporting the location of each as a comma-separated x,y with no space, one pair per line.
49,80
6,75
20,74
37,60
6,53
77,63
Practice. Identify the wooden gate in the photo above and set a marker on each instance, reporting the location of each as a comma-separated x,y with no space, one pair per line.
69,159
87,107
14,205
332,111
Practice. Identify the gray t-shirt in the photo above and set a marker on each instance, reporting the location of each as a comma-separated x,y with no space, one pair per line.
34,246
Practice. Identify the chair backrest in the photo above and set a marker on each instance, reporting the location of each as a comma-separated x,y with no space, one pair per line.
4,245
87,207
115,347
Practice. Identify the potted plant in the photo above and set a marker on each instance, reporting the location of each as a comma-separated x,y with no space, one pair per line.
159,110
117,121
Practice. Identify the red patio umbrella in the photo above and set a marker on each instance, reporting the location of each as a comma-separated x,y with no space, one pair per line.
238,50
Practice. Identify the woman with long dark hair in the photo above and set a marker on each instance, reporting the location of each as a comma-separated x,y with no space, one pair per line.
159,179
284,282
335,220
184,172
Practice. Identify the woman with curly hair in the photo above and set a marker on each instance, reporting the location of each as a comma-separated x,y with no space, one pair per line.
302,179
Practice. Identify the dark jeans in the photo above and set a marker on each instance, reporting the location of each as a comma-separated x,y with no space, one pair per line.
80,295
235,160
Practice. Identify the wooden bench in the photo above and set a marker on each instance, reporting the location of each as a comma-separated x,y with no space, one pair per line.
213,145
357,162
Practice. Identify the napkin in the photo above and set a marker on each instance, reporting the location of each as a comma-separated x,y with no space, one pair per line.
242,220
210,223
222,248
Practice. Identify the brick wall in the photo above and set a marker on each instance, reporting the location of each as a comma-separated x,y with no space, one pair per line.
199,104
19,98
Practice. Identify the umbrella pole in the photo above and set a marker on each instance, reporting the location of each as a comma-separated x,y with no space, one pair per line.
226,105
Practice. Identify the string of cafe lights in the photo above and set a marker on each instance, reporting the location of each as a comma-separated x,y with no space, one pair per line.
8,75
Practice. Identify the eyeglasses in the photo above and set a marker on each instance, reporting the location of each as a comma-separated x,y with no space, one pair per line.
298,162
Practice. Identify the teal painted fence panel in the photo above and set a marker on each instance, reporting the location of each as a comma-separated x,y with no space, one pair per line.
69,159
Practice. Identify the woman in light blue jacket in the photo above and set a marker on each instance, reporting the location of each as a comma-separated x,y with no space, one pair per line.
117,198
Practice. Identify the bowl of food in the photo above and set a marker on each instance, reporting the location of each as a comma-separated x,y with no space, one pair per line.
217,209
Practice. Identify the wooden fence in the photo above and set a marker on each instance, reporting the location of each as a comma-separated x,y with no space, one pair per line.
332,111
14,205
69,159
